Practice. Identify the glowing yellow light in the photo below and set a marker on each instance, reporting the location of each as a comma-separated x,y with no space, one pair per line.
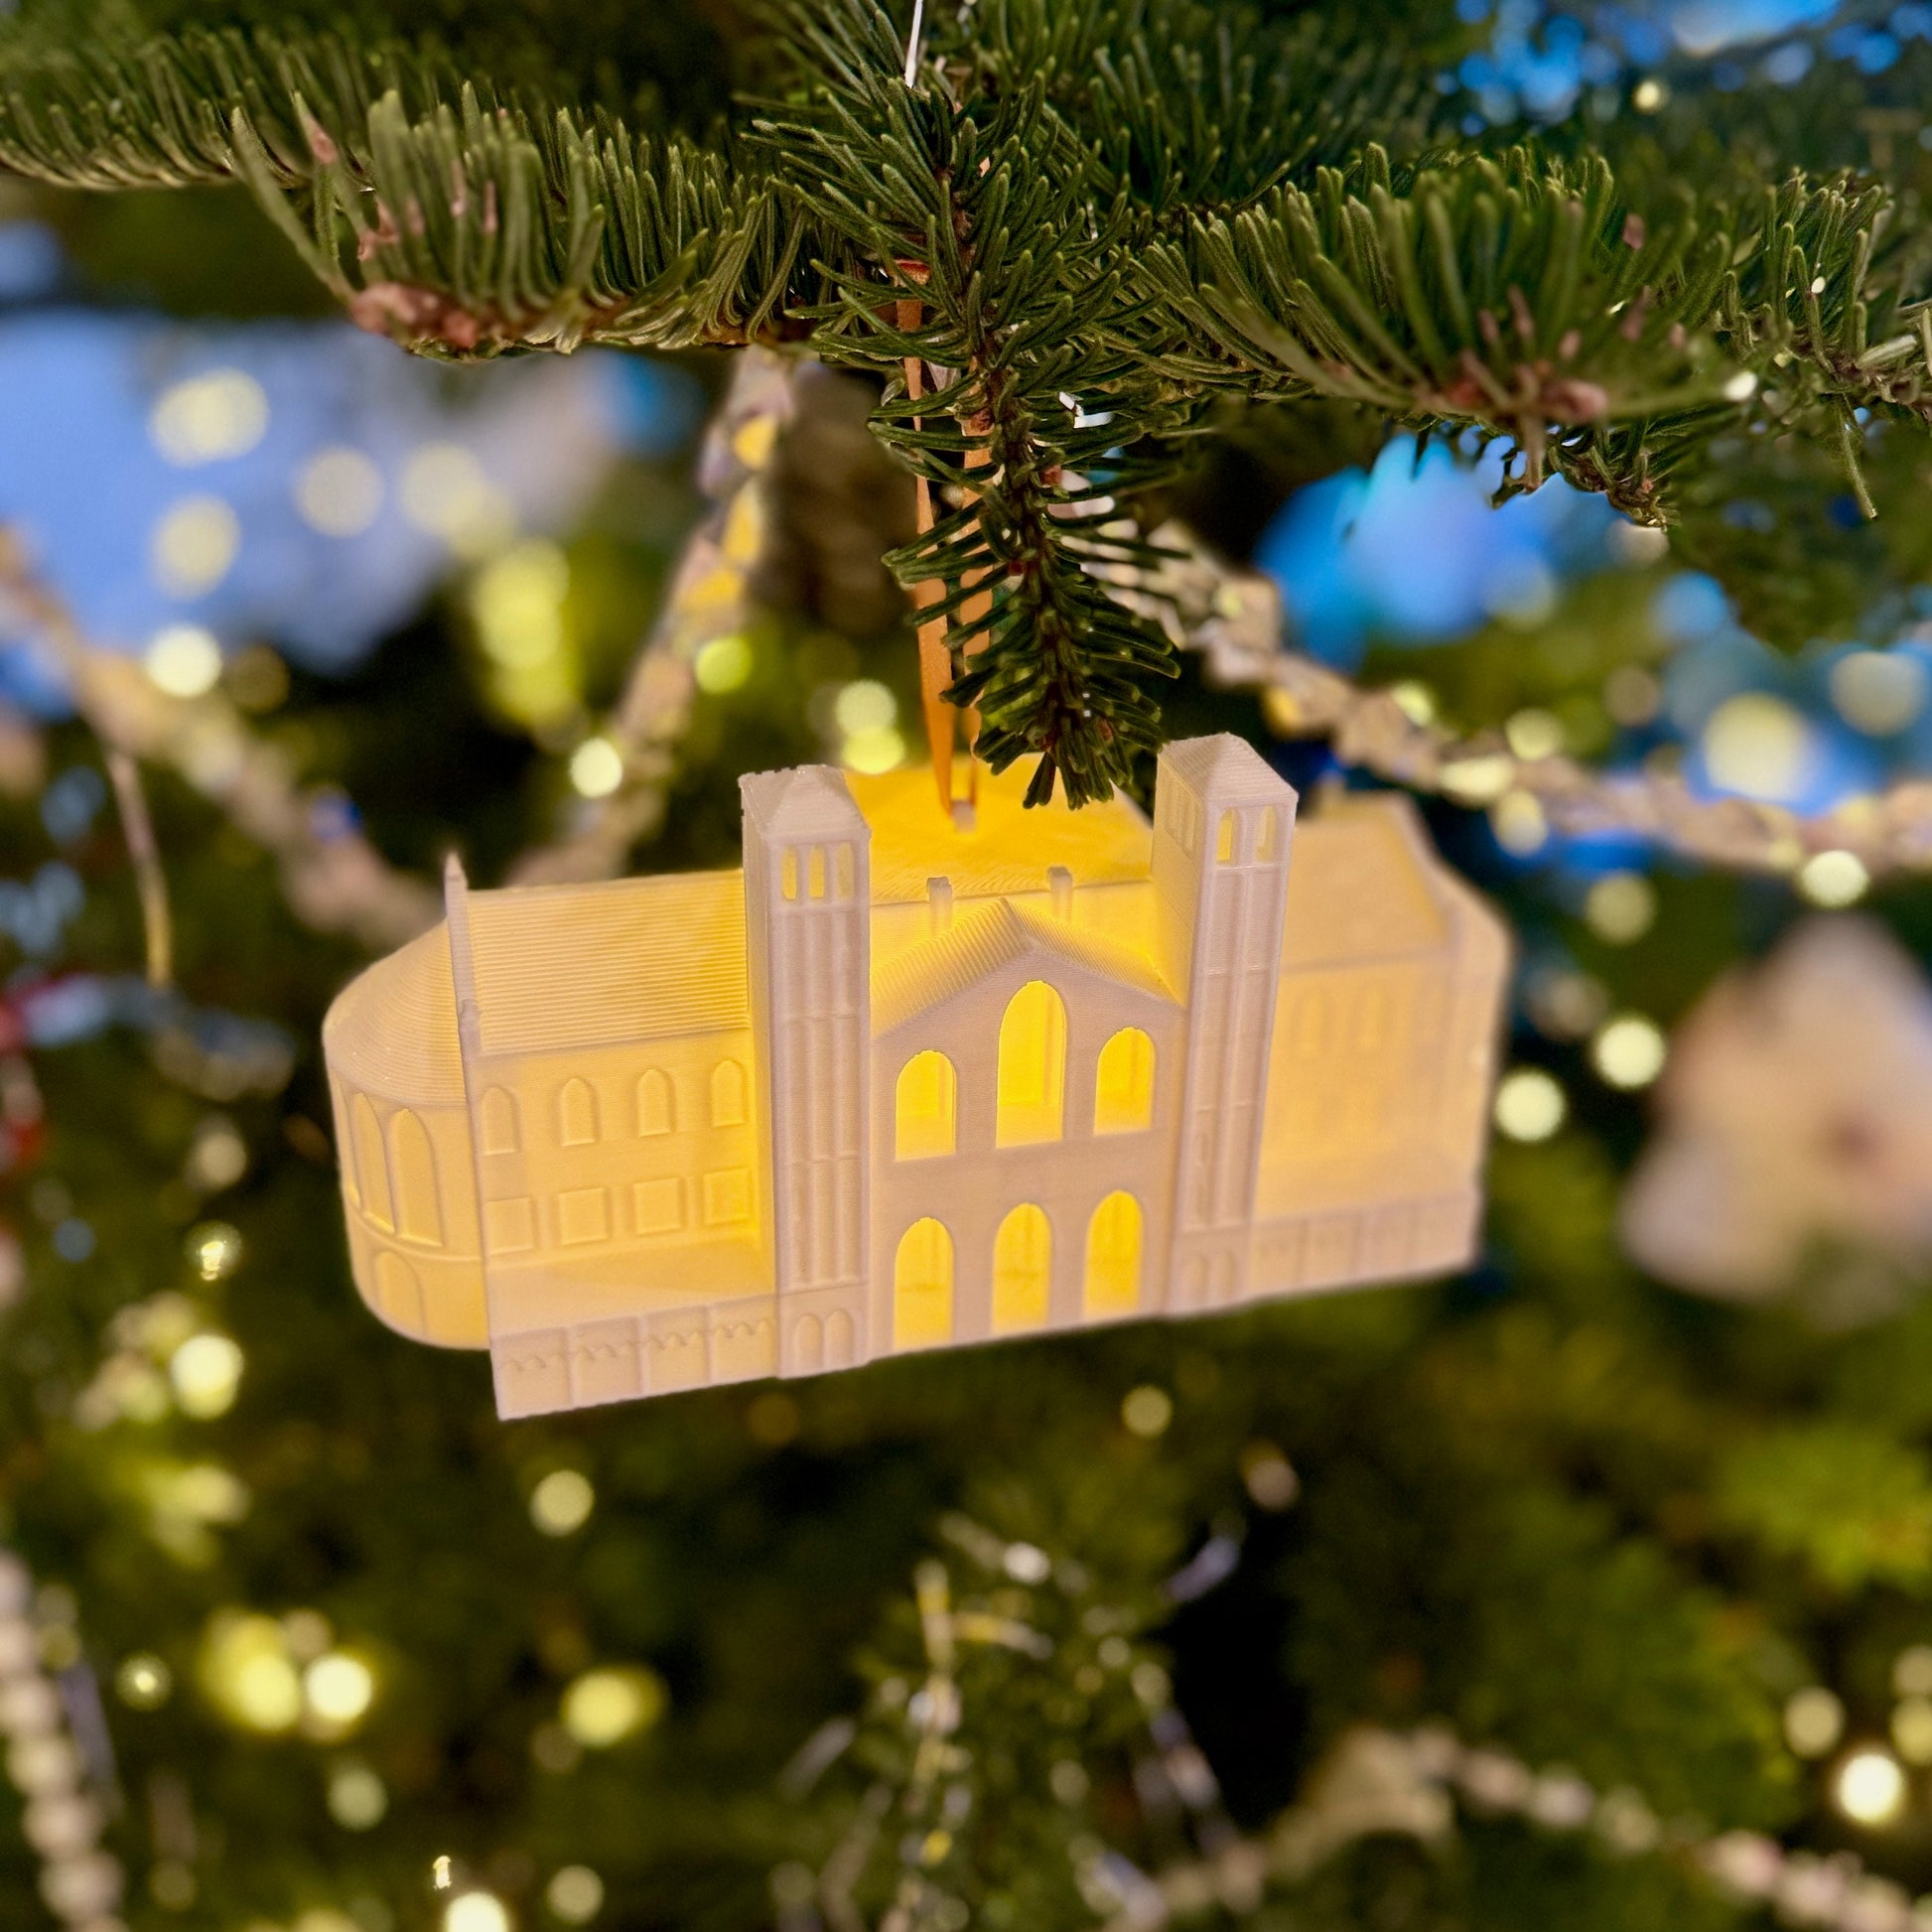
339,1688
143,1681
575,1894
214,1250
1629,1051
1870,1787
206,1372
1478,780
1912,1671
444,492
1146,1411
1814,1721
873,751
357,1798
1530,1105
1878,692
207,418
1833,879
562,1502
1534,734
246,1668
194,545
724,665
518,602
603,1706
1518,822
596,767
207,1492
184,660
1759,745
1415,699
1621,908
338,492
1647,97
325,1918
865,705
475,1911
1912,1730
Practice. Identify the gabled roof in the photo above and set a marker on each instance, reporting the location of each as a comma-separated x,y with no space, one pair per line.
806,801
560,967
1225,768
987,939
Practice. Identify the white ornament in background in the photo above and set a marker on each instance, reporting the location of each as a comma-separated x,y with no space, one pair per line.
906,1082
1796,1111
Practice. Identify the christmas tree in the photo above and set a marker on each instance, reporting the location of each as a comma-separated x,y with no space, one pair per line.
1520,407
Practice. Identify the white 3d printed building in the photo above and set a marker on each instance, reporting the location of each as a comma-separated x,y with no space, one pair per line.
906,1084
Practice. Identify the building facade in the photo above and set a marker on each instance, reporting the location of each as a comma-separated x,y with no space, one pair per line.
903,1084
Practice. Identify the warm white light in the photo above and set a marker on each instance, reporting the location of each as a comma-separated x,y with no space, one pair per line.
518,601
143,1681
1834,878
1870,1787
265,1693
1518,822
865,705
873,751
444,492
1146,1411
1629,1051
207,1373
562,1502
1534,734
1912,1730
223,413
603,1706
1814,1721
1759,745
1415,699
194,545
1647,97
724,665
184,660
338,492
357,1798
475,1911
575,1894
596,767
1621,908
338,1687
1878,692
1530,1105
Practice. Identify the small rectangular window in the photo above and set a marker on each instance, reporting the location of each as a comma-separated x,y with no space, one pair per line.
819,872
789,870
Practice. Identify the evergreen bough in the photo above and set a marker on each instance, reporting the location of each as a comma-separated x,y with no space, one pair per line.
1114,223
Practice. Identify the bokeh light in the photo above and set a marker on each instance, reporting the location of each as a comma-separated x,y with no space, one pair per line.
339,1688
358,1800
1146,1411
1870,1787
1834,878
603,1706
1530,1105
194,545
184,660
475,1911
595,768
338,492
724,665
1629,1051
209,418
206,1371
562,1502
1621,908
143,1681
1878,692
575,1894
1759,745
1814,1721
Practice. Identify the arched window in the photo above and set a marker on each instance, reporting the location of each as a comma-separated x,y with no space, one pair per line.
922,1287
419,1209
1226,838
1123,1085
1032,1066
657,1107
1113,1259
1268,833
502,1133
371,1170
576,1113
1023,1271
927,1107
728,1094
